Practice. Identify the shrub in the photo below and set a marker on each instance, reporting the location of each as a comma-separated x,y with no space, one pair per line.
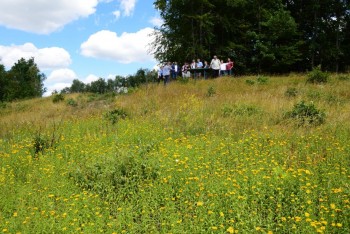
40,144
72,102
211,91
115,115
250,82
306,114
262,79
316,76
57,98
227,111
3,105
291,92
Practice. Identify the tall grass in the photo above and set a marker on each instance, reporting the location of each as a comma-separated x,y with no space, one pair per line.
180,161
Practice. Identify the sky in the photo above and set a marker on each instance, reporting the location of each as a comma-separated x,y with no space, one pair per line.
78,39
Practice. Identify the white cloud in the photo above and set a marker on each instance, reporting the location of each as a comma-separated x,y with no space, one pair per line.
156,21
127,6
90,78
58,80
61,76
126,48
116,14
43,17
45,58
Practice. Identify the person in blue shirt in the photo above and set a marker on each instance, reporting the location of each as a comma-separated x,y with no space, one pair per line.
166,72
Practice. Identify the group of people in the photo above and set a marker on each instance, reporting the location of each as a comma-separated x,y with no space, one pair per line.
197,68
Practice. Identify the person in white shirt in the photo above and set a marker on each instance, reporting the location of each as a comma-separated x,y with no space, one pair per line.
222,68
215,65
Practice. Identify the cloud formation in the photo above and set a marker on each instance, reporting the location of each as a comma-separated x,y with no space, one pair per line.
126,48
127,7
45,58
43,17
156,21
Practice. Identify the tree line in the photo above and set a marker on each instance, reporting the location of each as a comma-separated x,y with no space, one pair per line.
24,80
273,36
117,85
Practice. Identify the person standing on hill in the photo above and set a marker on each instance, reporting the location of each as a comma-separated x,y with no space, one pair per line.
160,73
222,68
229,66
174,70
166,72
215,65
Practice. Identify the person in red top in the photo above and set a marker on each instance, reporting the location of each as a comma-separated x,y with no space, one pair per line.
229,66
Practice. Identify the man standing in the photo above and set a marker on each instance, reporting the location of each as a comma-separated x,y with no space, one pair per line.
215,65
166,72
174,71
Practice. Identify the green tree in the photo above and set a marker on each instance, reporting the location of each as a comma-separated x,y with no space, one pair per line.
77,86
322,26
98,86
24,80
3,82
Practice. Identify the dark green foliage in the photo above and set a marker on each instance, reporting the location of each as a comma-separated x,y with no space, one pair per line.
271,36
111,175
306,114
115,115
40,144
58,98
23,80
3,105
262,79
291,92
316,76
250,82
77,87
72,102
211,91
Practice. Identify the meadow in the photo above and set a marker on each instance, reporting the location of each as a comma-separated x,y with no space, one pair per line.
229,155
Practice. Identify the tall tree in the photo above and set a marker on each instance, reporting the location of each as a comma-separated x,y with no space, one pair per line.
322,26
259,35
24,80
186,32
77,86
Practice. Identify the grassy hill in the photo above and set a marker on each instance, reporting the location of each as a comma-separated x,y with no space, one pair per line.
230,155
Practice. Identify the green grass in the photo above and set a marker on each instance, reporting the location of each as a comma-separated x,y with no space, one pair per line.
181,161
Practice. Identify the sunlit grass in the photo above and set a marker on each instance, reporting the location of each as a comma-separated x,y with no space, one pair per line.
181,162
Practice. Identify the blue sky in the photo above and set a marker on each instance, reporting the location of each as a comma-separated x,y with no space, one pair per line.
78,39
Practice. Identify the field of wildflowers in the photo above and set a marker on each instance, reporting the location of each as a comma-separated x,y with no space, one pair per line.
178,160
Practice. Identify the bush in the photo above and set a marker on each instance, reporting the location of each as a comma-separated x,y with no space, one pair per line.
57,98
3,105
306,114
250,82
72,102
211,91
40,144
291,92
262,79
115,115
316,76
